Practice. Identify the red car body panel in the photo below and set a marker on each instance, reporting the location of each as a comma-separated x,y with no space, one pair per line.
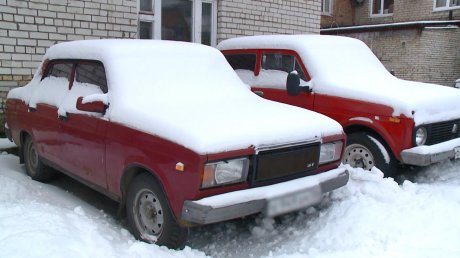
100,153
396,132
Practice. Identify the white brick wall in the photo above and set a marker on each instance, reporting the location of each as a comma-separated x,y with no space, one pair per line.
29,27
250,17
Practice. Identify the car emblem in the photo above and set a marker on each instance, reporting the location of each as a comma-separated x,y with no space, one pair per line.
454,128
310,165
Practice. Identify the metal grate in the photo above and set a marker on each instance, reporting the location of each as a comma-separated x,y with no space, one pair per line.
280,163
443,131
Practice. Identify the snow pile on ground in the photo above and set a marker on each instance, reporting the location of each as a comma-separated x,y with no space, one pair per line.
370,217
39,220
6,144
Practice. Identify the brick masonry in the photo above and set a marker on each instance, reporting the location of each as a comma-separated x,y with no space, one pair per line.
404,10
429,55
28,28
249,17
342,15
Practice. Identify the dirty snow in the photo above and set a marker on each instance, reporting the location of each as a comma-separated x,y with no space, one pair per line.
370,217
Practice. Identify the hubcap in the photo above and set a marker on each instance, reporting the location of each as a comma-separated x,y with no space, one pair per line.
358,156
149,216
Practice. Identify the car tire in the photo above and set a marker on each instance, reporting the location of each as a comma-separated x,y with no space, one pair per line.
149,215
33,163
366,151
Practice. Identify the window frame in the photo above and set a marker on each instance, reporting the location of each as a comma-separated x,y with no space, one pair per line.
50,63
326,12
283,52
80,62
380,14
155,18
74,63
444,8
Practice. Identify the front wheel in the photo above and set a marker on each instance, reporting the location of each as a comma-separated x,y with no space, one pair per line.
149,215
365,151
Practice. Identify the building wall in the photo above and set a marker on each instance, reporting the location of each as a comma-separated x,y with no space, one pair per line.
429,55
405,10
342,15
28,28
250,17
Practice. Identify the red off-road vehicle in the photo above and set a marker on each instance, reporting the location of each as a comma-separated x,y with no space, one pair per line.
388,121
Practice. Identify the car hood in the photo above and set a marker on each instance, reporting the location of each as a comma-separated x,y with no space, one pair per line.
227,124
425,103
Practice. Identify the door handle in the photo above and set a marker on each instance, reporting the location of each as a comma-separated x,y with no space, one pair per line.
259,93
31,109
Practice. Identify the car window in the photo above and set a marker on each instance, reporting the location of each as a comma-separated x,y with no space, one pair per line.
282,62
91,73
54,85
242,61
60,70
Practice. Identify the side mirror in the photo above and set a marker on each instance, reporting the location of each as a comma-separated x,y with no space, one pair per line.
95,106
293,84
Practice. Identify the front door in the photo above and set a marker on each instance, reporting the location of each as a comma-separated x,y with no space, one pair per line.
84,133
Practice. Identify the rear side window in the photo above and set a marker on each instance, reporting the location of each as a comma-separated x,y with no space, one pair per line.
242,61
60,70
91,73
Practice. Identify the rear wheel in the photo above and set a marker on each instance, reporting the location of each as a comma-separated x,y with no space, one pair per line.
149,216
365,151
33,163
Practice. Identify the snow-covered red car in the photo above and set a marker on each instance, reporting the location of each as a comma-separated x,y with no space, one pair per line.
170,131
388,121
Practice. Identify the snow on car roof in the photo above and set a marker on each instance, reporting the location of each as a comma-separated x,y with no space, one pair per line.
187,93
346,67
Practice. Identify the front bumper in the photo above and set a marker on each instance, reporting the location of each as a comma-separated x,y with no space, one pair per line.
426,155
272,200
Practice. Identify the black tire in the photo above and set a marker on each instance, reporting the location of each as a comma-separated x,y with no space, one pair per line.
149,215
33,163
366,151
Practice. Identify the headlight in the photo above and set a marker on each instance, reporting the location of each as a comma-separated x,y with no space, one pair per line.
420,136
330,152
225,172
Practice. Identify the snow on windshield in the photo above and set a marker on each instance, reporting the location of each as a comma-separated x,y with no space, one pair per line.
188,94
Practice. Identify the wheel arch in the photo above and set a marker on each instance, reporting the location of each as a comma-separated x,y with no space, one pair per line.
22,138
129,174
360,128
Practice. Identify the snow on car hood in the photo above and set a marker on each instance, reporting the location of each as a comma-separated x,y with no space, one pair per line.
346,67
188,94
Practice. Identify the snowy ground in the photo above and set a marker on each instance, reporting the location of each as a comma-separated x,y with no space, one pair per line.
370,217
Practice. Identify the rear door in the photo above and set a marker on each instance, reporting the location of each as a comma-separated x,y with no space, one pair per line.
43,106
